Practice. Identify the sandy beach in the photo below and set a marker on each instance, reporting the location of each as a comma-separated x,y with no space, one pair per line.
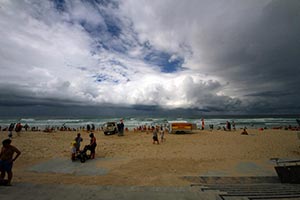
132,160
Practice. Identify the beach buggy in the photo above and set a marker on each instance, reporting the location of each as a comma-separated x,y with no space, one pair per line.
81,155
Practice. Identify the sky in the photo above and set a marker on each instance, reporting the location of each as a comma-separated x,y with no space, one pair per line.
211,56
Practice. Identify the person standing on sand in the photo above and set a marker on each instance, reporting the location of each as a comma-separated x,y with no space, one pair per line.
88,128
78,140
154,133
233,125
18,128
73,150
228,126
26,127
202,124
162,134
121,128
10,130
6,160
93,145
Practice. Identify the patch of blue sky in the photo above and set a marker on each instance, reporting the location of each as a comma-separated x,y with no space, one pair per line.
164,60
106,36
59,5
105,3
110,36
102,77
112,25
93,30
117,63
99,45
116,73
112,33
117,46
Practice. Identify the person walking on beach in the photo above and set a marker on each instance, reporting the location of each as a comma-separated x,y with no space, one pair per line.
154,134
162,134
88,128
121,128
228,126
6,160
233,125
26,127
92,145
202,124
18,128
10,130
78,140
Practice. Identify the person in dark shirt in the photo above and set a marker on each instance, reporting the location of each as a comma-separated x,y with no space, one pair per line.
121,128
7,159
155,135
93,144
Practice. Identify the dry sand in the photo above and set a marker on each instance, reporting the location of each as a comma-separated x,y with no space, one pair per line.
134,160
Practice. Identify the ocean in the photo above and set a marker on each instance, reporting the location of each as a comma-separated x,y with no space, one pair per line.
130,122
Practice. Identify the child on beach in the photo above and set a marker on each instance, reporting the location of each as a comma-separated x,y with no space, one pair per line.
155,137
244,132
73,151
78,140
6,160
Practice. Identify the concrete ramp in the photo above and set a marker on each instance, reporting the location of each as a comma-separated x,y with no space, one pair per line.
66,166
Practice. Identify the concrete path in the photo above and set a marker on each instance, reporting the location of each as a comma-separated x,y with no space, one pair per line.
28,191
66,166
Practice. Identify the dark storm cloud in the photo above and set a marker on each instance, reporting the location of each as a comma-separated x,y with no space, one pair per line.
11,95
260,51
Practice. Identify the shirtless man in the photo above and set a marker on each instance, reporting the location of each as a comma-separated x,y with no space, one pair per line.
6,160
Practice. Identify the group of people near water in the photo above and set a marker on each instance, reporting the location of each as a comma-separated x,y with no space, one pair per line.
159,130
